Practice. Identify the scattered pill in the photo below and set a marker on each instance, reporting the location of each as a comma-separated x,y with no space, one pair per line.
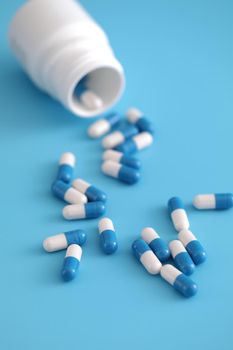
103,125
71,262
119,136
89,210
135,116
178,280
144,254
193,246
136,143
218,201
91,192
157,244
91,100
181,257
119,157
120,172
69,194
66,167
108,239
178,214
63,240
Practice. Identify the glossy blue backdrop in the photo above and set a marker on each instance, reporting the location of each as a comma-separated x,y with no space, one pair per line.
178,60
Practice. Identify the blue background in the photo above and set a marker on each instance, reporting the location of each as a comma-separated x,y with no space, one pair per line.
178,60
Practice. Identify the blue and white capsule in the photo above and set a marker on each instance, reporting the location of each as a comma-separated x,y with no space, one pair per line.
93,193
193,246
137,143
120,172
181,257
178,214
63,240
157,244
119,136
107,234
148,259
136,117
217,201
69,194
66,167
103,125
91,210
71,262
178,280
119,157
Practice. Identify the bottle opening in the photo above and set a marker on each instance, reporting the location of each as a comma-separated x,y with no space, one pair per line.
105,85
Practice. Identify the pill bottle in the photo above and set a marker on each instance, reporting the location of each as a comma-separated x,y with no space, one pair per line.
61,48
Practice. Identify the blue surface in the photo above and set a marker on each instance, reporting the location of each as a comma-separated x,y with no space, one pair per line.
178,59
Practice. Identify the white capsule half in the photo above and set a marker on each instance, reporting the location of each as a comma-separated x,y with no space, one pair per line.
149,234
99,128
204,201
54,243
67,158
151,263
105,224
133,114
143,140
81,185
91,100
73,196
180,219
169,273
74,211
110,154
113,139
111,168
75,251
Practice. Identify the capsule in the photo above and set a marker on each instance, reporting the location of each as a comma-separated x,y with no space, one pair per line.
69,194
66,167
71,262
181,257
90,100
103,125
193,246
157,244
120,172
136,117
119,157
108,239
89,210
119,136
93,193
178,280
144,254
178,214
137,143
217,201
63,240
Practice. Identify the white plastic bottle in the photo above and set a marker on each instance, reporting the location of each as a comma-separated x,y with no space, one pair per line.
62,49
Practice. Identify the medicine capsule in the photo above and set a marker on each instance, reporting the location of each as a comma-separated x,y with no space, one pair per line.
119,157
91,100
137,143
119,136
69,194
89,210
120,172
71,262
63,240
178,280
157,244
218,201
144,254
181,257
193,246
108,239
135,116
66,167
178,214
104,125
91,192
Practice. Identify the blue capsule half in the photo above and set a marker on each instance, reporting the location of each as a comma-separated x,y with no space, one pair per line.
59,189
160,248
76,237
131,162
94,194
185,285
128,175
193,246
127,147
175,203
66,167
184,263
